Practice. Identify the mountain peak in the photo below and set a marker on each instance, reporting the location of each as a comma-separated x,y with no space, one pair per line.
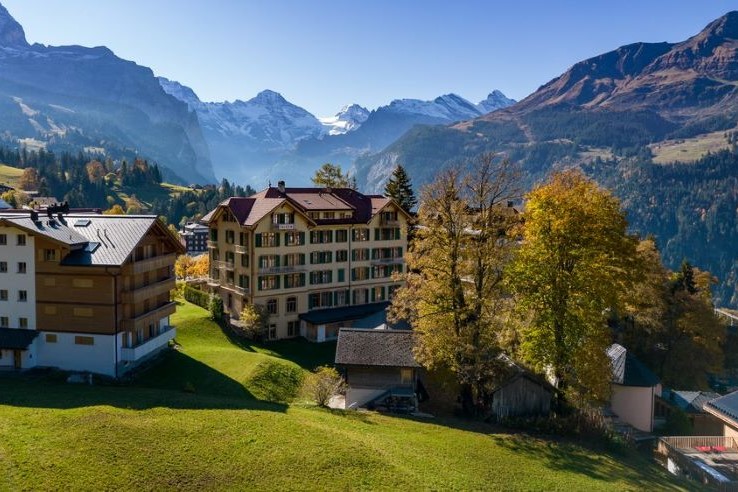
269,97
11,33
724,27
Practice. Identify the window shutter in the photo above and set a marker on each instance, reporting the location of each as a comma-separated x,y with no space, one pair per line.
353,297
302,280
310,301
302,237
397,233
330,276
330,236
335,298
341,275
277,286
261,262
353,234
373,295
259,282
276,238
353,255
353,274
276,260
376,234
257,238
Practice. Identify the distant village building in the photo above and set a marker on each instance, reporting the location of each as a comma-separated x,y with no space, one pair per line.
692,404
84,292
298,251
634,389
195,237
725,411
379,368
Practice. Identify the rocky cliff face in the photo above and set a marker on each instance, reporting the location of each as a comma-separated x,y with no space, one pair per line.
70,96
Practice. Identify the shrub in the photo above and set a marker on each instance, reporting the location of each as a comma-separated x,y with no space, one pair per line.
276,381
678,423
196,296
254,321
216,308
324,383
178,291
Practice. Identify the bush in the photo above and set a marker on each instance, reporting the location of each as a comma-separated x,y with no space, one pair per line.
324,383
197,297
178,291
216,308
276,381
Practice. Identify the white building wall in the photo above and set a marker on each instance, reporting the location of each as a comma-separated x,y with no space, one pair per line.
634,405
65,354
13,282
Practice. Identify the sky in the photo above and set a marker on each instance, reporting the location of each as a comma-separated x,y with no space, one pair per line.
323,54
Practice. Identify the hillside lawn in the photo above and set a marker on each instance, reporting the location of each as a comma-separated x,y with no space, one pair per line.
152,435
10,175
688,149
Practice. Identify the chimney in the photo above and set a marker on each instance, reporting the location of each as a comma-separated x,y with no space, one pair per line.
34,216
280,186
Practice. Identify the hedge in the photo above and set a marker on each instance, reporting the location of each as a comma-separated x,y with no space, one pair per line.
198,297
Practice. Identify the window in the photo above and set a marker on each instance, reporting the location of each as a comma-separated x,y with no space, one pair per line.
22,322
245,260
283,218
21,267
361,296
51,338
214,235
360,254
81,340
21,239
329,215
243,281
388,217
294,259
230,237
320,300
267,239
272,306
269,282
294,238
268,261
22,296
4,322
360,234
3,295
292,304
293,280
387,234
319,257
49,255
378,294
341,236
341,298
82,283
406,375
3,239
273,331
83,312
242,238
3,267
341,255
321,277
321,237
49,309
293,328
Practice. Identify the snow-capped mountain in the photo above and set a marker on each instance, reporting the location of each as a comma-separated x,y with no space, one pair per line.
496,100
346,120
448,107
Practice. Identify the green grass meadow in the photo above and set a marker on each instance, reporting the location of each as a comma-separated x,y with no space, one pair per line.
195,421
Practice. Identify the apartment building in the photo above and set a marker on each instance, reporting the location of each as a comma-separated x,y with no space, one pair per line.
84,292
195,237
298,251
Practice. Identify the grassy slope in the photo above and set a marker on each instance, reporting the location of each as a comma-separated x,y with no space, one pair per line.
689,149
148,436
9,175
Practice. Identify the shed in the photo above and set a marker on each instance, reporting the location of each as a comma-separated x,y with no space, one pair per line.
521,394
379,366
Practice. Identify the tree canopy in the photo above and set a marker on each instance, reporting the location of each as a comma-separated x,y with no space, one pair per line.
400,189
331,176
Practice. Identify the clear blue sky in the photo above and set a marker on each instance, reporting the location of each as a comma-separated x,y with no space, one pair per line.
322,54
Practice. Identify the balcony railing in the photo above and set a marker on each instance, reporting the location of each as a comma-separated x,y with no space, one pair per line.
212,244
244,291
283,269
153,316
241,249
213,282
389,222
227,265
148,291
148,264
387,261
131,354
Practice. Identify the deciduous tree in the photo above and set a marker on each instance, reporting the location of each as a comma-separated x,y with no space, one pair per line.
575,263
454,296
331,176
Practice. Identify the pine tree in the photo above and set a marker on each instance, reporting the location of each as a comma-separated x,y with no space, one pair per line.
400,188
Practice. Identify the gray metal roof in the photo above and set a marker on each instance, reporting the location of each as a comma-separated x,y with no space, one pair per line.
689,401
51,228
628,370
726,405
389,348
116,237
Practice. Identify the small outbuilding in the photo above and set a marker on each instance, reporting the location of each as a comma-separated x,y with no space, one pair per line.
379,368
521,393
634,389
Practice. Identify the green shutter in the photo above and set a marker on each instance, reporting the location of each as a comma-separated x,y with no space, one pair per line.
397,233
278,235
353,297
330,276
353,255
341,275
310,301
261,262
373,295
257,238
302,280
302,237
376,234
278,282
353,274
277,260
258,282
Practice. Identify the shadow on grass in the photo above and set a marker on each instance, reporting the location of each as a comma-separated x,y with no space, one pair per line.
176,381
305,354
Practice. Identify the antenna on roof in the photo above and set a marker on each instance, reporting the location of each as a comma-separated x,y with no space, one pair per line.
97,230
105,233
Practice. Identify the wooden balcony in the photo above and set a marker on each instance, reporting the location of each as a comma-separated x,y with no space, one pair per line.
149,264
153,316
152,290
283,269
388,261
